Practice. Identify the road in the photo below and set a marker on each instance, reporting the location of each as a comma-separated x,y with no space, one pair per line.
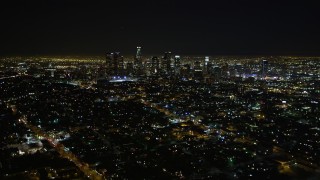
84,167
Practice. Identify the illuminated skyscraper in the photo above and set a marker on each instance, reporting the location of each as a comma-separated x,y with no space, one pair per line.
166,63
264,68
138,55
138,62
209,68
197,70
115,65
206,62
177,64
155,65
239,69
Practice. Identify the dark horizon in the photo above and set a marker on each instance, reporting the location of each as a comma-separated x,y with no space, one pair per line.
81,55
230,28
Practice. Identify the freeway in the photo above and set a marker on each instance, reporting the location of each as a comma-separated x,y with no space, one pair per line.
300,161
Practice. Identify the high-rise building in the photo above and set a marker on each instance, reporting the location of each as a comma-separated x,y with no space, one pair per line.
177,64
216,71
197,70
155,66
264,68
138,55
209,68
205,67
50,69
225,71
239,70
138,61
185,70
129,69
206,60
197,66
166,63
115,64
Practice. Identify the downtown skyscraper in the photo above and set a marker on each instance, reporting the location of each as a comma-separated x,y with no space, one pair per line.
138,68
115,64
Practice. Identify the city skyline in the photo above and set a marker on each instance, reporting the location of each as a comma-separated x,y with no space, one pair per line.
165,89
167,117
202,28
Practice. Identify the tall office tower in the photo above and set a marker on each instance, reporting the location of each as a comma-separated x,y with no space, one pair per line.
138,56
177,64
209,68
205,67
197,70
197,66
138,61
50,70
115,64
239,70
206,60
264,68
166,63
129,68
185,70
155,66
216,71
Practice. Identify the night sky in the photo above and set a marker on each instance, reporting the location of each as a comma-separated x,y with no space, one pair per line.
199,27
